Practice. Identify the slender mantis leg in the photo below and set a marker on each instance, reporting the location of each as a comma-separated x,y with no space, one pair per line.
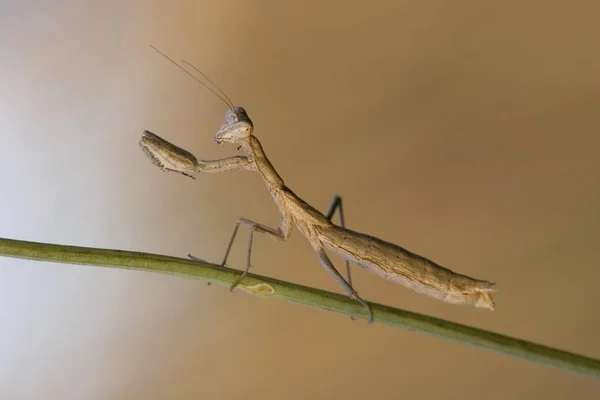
326,262
336,204
280,234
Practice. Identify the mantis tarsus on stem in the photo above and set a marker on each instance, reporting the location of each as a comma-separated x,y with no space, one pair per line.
383,258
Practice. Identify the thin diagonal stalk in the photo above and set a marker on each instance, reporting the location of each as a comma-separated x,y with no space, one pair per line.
303,295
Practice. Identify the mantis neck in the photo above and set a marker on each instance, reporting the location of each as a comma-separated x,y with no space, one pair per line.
263,165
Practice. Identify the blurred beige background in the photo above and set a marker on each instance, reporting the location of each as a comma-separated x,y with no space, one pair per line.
465,132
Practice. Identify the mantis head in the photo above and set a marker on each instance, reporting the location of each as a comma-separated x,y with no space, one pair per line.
236,128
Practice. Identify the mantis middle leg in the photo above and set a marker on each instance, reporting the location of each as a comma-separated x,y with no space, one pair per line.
280,234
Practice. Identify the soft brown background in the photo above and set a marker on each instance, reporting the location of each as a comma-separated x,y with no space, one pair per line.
465,132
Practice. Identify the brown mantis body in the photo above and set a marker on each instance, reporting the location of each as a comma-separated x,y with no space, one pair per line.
378,256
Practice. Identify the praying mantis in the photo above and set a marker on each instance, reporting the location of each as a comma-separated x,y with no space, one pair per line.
383,258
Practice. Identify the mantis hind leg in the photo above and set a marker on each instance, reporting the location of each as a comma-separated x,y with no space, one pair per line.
328,265
336,204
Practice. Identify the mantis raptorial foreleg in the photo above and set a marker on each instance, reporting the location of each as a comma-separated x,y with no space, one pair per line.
227,164
335,205
171,158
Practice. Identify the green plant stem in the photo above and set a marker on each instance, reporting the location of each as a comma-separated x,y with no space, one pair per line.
303,295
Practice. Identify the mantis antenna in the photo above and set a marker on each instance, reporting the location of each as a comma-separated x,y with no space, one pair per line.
227,102
208,79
